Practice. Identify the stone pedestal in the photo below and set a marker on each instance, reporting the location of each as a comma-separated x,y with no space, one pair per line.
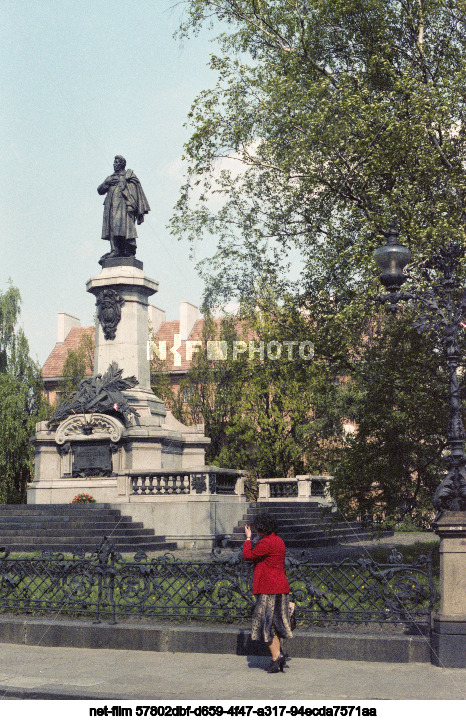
99,454
122,328
449,625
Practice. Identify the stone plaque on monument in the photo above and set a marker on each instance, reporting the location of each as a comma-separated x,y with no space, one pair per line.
91,459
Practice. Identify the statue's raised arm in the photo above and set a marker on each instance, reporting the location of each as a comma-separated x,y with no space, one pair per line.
125,206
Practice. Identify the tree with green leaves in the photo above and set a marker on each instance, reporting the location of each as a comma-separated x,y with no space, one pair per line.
333,119
267,406
21,401
392,465
330,120
210,392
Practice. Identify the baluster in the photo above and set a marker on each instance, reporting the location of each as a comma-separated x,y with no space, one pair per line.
134,484
158,487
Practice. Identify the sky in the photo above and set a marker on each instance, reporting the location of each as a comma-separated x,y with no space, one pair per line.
82,81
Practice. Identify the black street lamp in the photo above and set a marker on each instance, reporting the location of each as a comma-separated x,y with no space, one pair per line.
441,306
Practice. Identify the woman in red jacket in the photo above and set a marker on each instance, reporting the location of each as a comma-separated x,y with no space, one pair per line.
271,616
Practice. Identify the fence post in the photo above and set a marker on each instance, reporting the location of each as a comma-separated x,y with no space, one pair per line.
304,486
264,489
239,486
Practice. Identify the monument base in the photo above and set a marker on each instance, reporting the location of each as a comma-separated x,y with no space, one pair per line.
99,445
192,522
154,472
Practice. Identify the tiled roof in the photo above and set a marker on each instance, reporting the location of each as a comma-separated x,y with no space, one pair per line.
178,360
53,366
165,338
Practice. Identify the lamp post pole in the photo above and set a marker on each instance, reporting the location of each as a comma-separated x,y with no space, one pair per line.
441,302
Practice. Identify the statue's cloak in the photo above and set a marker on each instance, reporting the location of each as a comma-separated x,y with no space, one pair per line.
125,204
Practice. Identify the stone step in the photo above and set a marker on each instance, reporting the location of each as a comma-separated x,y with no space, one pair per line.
274,508
296,514
121,546
64,518
75,533
39,521
298,511
280,507
310,541
103,526
77,540
302,524
282,502
46,508
65,527
292,525
68,517
316,533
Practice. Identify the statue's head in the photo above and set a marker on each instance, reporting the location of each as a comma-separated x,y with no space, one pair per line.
119,163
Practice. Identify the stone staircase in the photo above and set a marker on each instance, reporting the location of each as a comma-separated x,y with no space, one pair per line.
303,524
69,528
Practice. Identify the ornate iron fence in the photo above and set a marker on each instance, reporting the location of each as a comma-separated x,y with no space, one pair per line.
105,585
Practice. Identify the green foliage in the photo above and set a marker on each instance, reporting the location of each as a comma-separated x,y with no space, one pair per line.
344,115
14,348
331,119
17,426
411,552
267,413
21,402
392,466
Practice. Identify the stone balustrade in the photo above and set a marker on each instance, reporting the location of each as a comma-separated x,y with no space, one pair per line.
208,481
299,488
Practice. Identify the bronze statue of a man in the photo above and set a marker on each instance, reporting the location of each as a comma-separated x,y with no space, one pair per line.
124,206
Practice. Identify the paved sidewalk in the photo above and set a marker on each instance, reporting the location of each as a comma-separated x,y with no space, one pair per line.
53,673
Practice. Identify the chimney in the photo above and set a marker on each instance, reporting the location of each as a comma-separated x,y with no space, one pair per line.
65,322
189,314
156,318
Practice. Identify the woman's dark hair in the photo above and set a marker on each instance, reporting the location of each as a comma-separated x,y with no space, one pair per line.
264,523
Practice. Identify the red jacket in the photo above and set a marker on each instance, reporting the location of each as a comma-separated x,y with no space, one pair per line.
268,556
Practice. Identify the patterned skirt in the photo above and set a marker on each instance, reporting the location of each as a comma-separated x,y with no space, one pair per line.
271,617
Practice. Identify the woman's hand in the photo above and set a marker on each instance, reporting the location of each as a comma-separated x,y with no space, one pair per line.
247,531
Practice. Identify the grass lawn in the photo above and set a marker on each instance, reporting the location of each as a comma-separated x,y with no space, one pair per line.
421,545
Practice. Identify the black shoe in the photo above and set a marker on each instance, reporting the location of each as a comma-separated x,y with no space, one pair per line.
277,665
